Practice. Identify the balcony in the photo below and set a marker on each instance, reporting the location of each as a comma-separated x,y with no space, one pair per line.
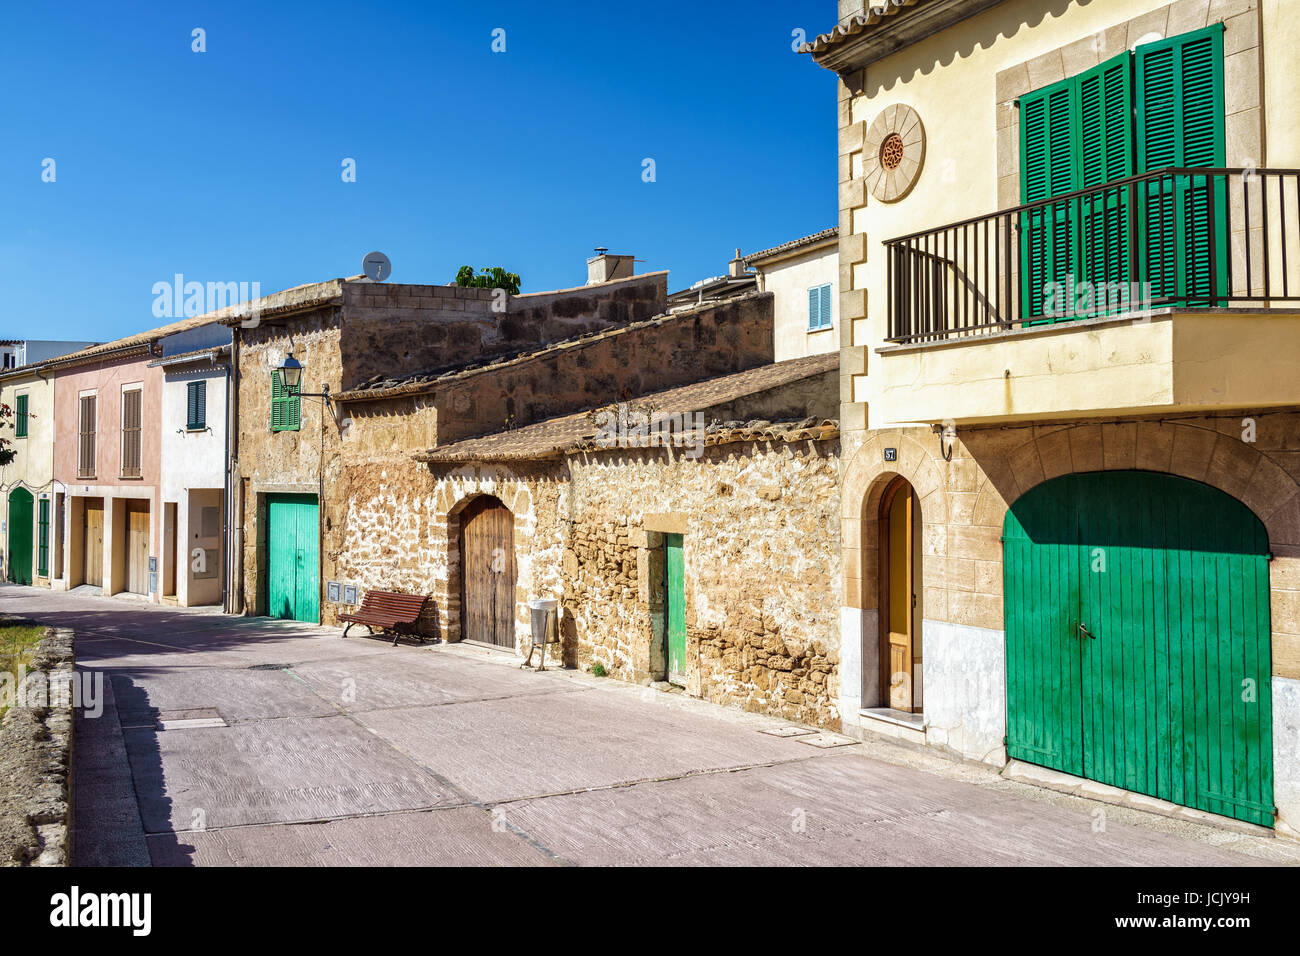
1168,291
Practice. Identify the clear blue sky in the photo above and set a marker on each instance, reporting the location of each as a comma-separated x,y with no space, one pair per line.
225,165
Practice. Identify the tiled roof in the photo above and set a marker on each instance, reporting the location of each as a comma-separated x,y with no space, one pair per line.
876,13
381,387
556,436
138,341
793,245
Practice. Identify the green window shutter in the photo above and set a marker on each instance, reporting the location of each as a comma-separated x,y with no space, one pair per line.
277,403
1049,167
20,426
291,407
1180,123
43,541
1105,140
196,406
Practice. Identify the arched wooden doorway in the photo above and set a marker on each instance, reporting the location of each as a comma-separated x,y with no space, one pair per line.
900,586
487,573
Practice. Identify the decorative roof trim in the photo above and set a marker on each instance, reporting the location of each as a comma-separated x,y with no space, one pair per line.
803,244
885,27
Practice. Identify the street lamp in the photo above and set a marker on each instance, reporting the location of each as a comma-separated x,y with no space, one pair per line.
291,375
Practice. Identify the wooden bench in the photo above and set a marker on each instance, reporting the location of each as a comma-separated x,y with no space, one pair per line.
387,611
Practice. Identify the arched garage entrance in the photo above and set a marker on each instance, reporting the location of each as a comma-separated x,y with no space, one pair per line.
1138,639
487,572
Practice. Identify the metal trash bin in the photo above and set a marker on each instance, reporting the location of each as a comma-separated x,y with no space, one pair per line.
543,612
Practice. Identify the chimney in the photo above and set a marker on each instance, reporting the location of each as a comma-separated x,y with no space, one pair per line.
736,268
602,267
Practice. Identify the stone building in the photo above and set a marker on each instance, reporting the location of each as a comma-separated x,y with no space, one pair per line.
1070,414
292,453
589,511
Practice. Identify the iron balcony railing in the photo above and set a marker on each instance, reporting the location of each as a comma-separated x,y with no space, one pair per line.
1174,238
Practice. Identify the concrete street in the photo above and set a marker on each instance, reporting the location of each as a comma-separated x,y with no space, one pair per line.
304,749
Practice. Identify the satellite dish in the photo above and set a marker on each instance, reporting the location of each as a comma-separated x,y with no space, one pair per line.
376,266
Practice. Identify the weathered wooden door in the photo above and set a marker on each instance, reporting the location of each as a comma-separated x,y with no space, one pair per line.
898,595
137,546
293,558
675,606
20,536
93,553
487,573
1138,639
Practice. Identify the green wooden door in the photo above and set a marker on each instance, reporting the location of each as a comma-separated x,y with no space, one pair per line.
20,536
292,565
675,611
1138,639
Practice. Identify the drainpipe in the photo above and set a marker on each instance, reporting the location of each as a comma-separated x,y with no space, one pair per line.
234,599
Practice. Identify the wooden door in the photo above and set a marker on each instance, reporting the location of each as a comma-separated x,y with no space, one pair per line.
675,606
1139,639
20,536
93,553
137,546
293,558
899,650
487,573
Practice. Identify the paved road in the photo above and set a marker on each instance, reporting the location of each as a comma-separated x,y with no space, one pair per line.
318,751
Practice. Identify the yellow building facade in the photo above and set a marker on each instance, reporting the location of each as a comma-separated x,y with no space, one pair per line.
1070,303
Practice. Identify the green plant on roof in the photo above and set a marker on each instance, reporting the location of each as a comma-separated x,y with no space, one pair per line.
494,278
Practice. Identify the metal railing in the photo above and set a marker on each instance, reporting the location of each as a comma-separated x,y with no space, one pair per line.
1174,238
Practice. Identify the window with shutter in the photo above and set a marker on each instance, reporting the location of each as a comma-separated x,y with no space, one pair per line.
86,436
20,415
819,307
1180,124
1157,107
284,406
131,434
196,406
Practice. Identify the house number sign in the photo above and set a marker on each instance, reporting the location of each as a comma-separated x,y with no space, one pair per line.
891,454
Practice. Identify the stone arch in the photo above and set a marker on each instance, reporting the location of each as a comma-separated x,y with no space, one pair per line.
865,481
1191,450
455,492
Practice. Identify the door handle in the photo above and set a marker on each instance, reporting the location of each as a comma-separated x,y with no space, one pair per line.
1086,632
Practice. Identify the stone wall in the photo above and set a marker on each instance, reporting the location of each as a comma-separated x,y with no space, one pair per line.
36,761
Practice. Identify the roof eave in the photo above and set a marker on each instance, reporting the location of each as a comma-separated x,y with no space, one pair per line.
866,39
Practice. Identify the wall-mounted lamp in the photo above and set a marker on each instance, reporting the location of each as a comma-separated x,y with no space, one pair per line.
947,433
291,375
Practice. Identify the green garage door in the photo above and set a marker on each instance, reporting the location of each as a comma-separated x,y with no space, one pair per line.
1138,647
292,560
20,536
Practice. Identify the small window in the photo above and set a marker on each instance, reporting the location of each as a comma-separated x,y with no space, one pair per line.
86,434
20,426
284,405
196,406
131,434
819,307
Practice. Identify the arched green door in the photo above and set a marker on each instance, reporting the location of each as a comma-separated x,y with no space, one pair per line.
1138,639
20,536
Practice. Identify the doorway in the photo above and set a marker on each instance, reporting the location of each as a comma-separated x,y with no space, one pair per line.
20,536
487,573
900,612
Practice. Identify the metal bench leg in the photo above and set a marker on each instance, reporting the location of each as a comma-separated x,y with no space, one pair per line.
346,629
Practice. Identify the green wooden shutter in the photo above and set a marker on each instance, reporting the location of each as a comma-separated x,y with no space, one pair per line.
292,406
43,541
1180,123
1049,167
196,406
1105,142
20,426
277,403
